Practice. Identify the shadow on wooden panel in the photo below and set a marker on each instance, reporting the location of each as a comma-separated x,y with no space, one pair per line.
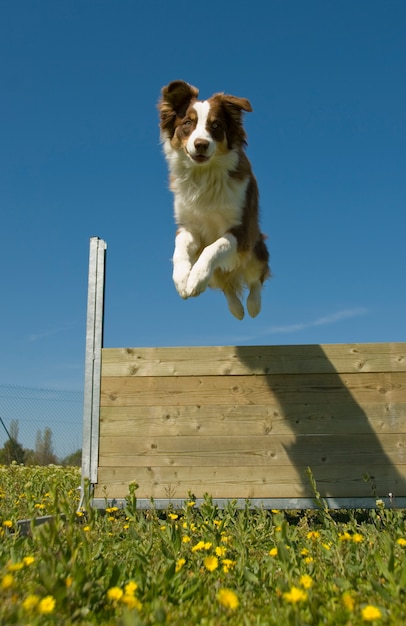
357,443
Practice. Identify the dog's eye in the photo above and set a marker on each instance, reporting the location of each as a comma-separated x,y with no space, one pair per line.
187,123
215,125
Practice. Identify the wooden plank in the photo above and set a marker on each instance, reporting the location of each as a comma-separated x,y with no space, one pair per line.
243,360
244,482
328,417
181,420
306,389
270,450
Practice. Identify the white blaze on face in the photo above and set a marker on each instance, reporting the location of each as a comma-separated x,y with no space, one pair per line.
200,132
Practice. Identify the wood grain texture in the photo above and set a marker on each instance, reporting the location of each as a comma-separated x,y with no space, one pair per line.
276,389
226,360
231,420
243,482
246,422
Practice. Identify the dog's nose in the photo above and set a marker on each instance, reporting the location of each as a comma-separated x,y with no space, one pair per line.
201,145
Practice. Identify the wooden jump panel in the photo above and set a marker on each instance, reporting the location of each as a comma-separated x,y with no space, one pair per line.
247,422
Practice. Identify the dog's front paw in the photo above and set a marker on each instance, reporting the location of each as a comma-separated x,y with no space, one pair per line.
198,279
180,278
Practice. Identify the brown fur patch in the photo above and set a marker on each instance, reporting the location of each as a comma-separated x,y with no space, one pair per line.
175,100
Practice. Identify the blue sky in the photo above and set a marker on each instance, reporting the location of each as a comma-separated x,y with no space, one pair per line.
80,157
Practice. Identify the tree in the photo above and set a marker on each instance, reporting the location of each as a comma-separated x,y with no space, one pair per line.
44,448
12,450
73,460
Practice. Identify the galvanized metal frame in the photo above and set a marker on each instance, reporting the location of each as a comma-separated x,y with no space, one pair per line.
94,344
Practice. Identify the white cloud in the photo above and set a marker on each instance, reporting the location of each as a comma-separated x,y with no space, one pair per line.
299,326
340,315
320,321
49,333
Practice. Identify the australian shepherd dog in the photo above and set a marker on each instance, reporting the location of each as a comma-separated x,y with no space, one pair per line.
218,242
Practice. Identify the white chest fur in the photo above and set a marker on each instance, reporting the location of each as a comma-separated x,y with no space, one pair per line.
207,199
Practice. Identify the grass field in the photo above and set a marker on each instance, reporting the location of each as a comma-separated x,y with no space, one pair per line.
192,566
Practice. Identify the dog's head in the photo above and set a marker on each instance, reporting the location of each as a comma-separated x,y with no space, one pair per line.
201,128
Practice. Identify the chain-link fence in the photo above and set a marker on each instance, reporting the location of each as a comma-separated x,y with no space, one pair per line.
33,411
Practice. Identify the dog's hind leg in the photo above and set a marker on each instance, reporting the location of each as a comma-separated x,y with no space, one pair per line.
254,299
234,304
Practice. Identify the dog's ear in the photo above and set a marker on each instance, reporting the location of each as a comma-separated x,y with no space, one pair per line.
178,94
236,104
175,99
233,107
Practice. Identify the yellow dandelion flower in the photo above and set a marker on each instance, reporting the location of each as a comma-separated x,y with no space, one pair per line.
295,595
278,529
163,527
226,539
217,522
126,526
198,546
220,550
114,594
308,560
186,539
313,535
275,511
131,601
7,581
371,613
68,581
30,602
211,563
179,564
173,516
191,503
228,598
306,581
79,513
15,567
28,560
39,506
7,523
112,509
401,542
273,552
348,601
344,536
130,588
304,552
46,605
227,565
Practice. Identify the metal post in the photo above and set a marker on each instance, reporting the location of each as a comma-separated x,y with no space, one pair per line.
94,344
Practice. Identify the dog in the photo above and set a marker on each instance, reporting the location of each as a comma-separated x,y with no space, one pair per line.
218,243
